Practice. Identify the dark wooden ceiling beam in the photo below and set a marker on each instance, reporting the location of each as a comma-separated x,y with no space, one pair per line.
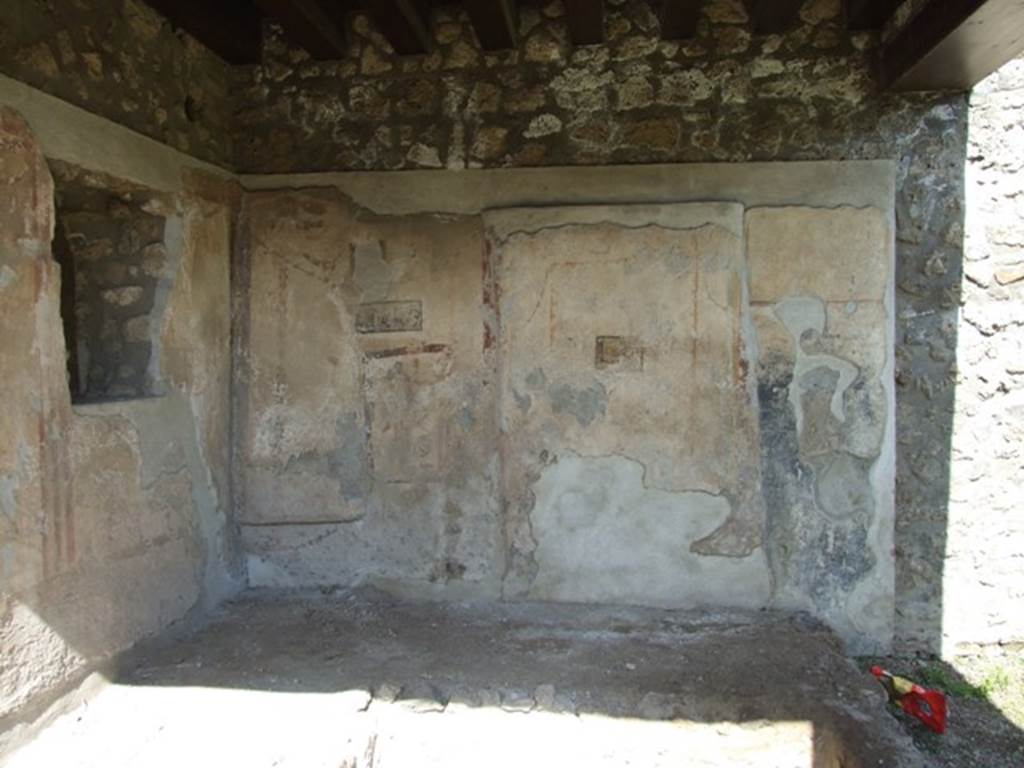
309,24
496,23
405,23
951,45
869,14
679,18
586,21
772,17
233,29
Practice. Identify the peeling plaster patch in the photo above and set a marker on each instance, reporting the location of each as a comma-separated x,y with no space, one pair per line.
845,560
804,318
802,313
262,572
821,430
465,418
536,379
351,461
9,484
816,545
336,480
585,404
370,272
602,536
523,402
844,488
7,276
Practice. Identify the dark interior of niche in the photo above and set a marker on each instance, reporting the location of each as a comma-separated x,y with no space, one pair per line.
112,253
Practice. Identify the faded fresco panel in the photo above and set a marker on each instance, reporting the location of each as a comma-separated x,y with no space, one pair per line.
629,428
367,449
821,280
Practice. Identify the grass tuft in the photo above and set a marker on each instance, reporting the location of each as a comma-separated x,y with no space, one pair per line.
939,676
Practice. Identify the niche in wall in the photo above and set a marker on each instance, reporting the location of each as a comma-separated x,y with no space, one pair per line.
110,242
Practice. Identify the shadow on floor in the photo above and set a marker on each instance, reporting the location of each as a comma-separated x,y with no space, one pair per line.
756,669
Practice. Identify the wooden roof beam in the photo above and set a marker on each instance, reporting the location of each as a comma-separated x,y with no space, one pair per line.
308,24
405,23
586,21
951,45
496,23
233,29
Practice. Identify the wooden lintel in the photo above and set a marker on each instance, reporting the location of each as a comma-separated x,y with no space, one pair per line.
496,23
679,18
405,23
772,17
308,24
586,21
951,45
233,29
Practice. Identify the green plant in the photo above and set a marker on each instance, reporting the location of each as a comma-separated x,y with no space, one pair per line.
942,677
997,679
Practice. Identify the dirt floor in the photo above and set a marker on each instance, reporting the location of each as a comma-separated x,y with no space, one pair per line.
358,679
985,696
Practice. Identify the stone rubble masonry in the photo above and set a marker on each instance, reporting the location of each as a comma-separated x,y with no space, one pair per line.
123,60
725,94
111,245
